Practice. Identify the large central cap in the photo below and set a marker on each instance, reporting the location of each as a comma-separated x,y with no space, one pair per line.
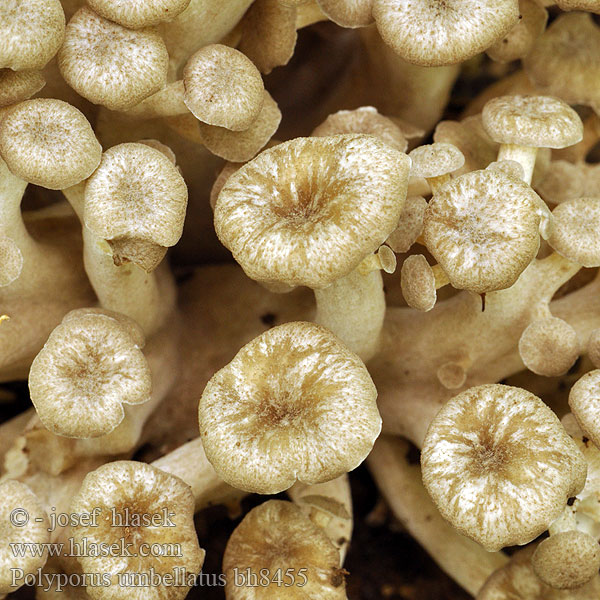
307,211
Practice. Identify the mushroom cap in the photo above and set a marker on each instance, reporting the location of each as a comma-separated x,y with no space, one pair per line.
136,200
308,211
499,465
48,142
294,404
565,60
240,146
31,32
593,347
223,87
410,225
348,13
418,283
16,496
584,400
141,13
110,65
86,371
511,168
433,33
518,581
365,119
277,537
120,490
549,347
538,121
483,229
11,261
518,41
16,86
575,234
433,160
589,5
567,560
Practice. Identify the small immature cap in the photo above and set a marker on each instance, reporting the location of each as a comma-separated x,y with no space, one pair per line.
277,537
499,465
88,368
294,404
223,87
48,142
435,159
410,225
418,283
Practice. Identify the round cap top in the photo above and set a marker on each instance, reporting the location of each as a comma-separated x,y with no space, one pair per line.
565,60
410,226
223,87
584,400
294,404
433,33
363,120
141,13
137,200
278,537
84,373
575,234
307,211
539,121
348,13
567,560
16,495
31,32
110,65
148,507
436,159
483,229
16,86
418,283
48,142
499,465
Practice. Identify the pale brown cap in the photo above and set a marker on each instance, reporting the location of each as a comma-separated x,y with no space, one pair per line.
567,560
443,33
584,400
240,146
16,86
538,121
519,40
223,87
483,229
418,283
348,13
48,142
11,261
136,200
565,60
410,225
499,465
308,211
141,13
575,233
593,347
276,537
433,160
589,5
110,65
294,404
120,490
269,34
549,347
365,119
23,520
31,32
89,367
511,168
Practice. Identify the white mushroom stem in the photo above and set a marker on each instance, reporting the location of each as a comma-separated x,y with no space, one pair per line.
147,298
353,308
524,155
189,462
461,558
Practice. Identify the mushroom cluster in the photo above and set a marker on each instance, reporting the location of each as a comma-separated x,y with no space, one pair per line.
258,247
